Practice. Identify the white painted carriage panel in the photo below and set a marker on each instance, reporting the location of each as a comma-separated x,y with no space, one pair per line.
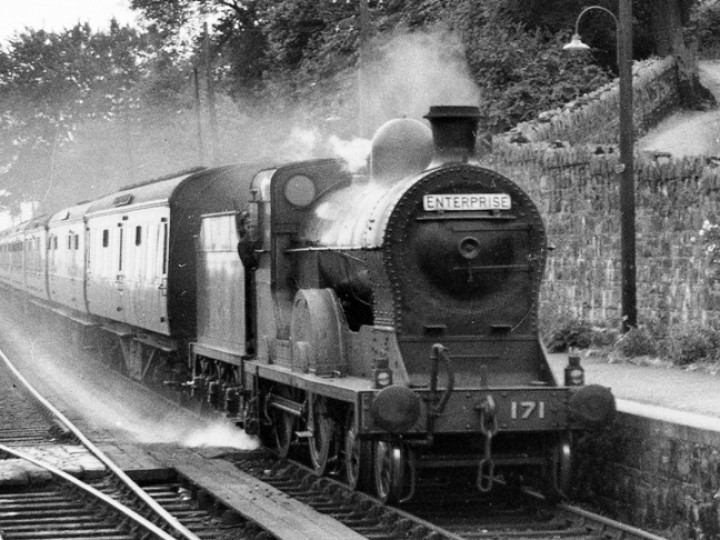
104,278
34,249
145,268
16,258
66,263
6,255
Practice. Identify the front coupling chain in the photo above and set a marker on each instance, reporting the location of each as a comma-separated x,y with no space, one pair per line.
488,427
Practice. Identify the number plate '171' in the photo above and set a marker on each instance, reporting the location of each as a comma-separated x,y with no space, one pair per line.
522,410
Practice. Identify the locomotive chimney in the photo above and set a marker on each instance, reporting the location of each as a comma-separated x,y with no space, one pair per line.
454,130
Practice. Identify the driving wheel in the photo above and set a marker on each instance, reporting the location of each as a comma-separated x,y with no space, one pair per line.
358,457
283,431
322,428
559,468
394,473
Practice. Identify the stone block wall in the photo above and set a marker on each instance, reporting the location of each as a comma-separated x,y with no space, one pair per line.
593,118
577,190
576,187
654,475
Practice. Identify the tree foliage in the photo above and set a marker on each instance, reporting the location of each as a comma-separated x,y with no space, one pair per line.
306,50
50,83
704,25
277,60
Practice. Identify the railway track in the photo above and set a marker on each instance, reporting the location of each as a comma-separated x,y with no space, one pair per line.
450,508
56,511
43,501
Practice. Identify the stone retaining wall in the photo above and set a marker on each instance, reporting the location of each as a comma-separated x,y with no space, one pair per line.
577,190
593,118
654,475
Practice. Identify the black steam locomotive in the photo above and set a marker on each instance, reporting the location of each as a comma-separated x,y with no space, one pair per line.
384,322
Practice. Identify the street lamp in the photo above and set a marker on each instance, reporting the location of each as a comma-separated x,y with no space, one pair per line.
576,43
625,168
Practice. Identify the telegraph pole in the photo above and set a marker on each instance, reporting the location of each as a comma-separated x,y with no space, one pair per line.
210,96
362,60
198,117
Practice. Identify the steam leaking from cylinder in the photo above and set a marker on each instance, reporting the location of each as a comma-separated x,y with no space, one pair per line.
108,401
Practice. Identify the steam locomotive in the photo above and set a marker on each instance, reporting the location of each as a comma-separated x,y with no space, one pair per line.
380,323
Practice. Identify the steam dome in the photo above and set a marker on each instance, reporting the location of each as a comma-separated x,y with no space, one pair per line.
400,148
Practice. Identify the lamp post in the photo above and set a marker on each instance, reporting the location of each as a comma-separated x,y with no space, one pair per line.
625,167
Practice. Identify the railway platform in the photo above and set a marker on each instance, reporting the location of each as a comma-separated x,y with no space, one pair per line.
658,466
689,398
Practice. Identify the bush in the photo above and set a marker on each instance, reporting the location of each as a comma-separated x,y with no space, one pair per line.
636,342
705,27
691,345
572,334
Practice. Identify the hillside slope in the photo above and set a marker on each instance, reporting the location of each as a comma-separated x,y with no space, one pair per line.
688,133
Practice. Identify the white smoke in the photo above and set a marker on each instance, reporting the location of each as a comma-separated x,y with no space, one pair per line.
413,72
221,435
354,151
301,143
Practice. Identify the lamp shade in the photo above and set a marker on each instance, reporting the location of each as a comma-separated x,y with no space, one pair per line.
576,44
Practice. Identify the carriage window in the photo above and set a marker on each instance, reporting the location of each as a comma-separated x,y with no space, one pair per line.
138,235
164,248
70,241
120,253
77,241
54,240
106,238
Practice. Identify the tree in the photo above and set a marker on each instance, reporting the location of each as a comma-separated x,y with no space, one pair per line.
49,84
236,45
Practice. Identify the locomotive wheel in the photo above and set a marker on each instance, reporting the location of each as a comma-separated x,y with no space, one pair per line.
283,431
276,427
322,428
358,457
559,468
394,473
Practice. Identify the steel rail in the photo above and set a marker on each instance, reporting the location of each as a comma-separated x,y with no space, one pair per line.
171,520
128,512
618,525
629,529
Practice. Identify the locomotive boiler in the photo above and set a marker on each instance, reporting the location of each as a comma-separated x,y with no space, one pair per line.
380,323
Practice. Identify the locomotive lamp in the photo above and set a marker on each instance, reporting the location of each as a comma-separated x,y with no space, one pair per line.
382,374
625,168
574,373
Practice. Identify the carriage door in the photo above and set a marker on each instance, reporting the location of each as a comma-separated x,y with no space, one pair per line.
144,270
120,271
159,278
